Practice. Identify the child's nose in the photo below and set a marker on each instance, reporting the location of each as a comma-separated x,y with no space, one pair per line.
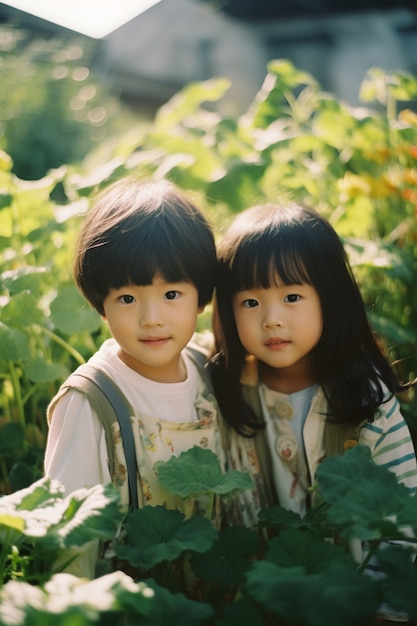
150,315
273,318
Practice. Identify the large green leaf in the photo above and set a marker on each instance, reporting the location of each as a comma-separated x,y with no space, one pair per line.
229,557
40,371
14,344
338,595
26,278
91,513
174,609
197,471
71,601
22,311
155,534
294,548
58,522
71,314
365,498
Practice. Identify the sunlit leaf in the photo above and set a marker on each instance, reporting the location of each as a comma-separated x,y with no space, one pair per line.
39,371
27,278
22,311
14,344
197,471
71,314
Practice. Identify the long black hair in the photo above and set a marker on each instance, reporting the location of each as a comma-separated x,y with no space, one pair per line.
300,246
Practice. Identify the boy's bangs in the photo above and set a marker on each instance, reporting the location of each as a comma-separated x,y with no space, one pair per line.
263,266
140,264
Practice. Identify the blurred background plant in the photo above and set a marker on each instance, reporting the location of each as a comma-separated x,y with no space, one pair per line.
64,138
53,104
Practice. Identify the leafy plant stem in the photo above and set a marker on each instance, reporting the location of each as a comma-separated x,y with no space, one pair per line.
371,553
64,344
4,554
210,505
3,471
17,392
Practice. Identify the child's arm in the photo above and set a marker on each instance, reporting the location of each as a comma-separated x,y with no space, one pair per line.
76,455
391,445
76,452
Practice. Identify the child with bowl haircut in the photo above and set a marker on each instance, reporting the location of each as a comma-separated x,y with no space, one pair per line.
146,261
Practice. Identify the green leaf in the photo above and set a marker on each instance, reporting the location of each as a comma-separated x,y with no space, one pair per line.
21,475
39,371
11,521
71,601
365,498
25,278
14,344
155,534
338,595
12,440
400,578
187,102
281,518
43,493
294,548
54,522
197,471
175,608
71,314
91,513
22,311
229,557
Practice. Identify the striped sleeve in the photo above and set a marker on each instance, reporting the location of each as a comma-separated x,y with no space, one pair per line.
391,444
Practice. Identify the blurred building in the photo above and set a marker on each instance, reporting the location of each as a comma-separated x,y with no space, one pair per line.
175,42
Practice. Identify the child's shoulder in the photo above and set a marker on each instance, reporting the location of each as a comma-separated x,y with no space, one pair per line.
201,346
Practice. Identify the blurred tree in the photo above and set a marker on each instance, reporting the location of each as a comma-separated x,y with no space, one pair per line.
52,105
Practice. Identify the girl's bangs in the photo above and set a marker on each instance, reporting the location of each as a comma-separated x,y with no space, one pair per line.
264,266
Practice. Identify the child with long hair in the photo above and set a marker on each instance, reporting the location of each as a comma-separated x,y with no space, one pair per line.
297,370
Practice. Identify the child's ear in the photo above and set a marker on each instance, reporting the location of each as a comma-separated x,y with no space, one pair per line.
201,309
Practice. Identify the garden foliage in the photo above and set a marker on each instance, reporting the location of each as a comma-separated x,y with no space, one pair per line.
175,570
358,167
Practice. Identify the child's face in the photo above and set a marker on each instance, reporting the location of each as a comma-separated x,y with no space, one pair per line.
152,324
279,325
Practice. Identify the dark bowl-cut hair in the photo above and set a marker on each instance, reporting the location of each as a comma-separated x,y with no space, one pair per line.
298,245
137,230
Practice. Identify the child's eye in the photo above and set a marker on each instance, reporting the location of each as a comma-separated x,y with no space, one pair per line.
250,303
292,297
126,299
172,295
